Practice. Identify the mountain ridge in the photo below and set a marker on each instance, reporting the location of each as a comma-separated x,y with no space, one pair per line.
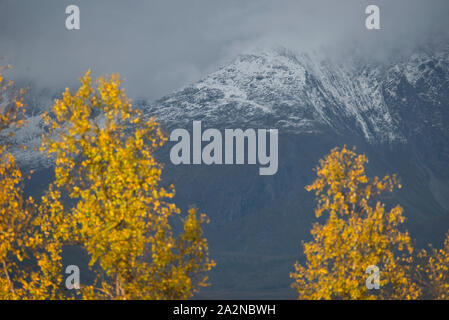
296,93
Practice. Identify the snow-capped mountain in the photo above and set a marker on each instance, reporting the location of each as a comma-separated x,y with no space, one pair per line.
304,94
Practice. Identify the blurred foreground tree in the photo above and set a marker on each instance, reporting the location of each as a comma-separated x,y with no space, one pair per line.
359,232
107,199
16,213
433,271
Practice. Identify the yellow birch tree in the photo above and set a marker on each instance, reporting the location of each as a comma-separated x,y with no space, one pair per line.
107,199
433,271
16,213
358,232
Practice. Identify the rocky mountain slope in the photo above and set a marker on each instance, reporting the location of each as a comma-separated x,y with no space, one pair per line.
302,94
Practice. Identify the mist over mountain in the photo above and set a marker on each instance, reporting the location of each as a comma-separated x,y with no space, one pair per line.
158,45
396,111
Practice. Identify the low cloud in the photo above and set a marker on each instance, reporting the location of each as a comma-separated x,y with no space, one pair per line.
159,46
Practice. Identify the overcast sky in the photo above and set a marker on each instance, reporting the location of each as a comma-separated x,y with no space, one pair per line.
161,45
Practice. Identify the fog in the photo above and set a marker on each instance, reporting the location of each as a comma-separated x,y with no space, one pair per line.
159,46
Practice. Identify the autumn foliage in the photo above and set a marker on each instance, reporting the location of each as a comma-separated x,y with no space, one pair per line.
15,211
358,232
119,213
432,272
107,200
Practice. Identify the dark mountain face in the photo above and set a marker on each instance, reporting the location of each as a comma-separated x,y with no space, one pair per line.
397,113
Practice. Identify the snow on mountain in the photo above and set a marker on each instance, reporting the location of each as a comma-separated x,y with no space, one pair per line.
287,91
30,136
300,93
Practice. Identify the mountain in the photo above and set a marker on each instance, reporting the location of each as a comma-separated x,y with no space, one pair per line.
395,110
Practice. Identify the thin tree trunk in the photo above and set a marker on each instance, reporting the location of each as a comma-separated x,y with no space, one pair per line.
5,269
